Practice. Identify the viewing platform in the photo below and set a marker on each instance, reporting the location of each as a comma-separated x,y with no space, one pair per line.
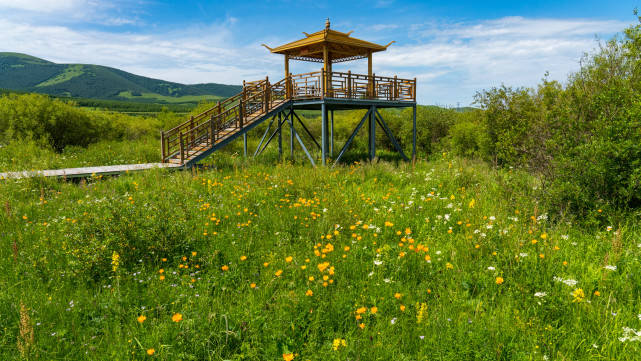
325,90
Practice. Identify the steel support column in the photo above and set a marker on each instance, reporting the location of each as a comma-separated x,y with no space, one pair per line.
331,133
324,134
372,133
260,150
245,144
280,136
291,133
414,134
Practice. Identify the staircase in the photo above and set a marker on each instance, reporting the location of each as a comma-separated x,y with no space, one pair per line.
196,138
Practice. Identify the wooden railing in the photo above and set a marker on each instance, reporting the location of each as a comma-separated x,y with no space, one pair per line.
260,97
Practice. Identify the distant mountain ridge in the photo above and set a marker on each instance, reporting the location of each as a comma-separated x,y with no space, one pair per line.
27,73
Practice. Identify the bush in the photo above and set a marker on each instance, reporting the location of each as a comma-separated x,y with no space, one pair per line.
584,139
469,139
60,124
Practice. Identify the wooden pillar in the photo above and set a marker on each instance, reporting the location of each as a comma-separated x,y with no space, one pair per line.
288,90
327,69
349,84
370,79
266,92
182,149
324,133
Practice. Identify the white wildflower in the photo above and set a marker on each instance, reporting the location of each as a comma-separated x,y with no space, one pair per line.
610,267
630,334
540,294
490,268
568,282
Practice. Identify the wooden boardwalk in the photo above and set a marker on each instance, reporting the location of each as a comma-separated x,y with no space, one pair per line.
86,171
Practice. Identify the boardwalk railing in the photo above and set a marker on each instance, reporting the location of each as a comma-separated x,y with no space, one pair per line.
258,98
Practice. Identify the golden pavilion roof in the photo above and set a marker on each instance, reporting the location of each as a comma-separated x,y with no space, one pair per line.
340,46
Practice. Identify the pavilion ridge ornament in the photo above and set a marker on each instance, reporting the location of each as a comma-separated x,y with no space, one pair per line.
276,103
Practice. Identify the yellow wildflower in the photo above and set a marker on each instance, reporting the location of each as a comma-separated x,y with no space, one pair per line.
177,317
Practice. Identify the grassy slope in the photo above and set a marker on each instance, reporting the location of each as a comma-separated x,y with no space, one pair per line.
26,73
383,222
156,98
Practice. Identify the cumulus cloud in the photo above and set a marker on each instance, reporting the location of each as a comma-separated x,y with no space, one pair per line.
45,6
465,58
210,56
450,61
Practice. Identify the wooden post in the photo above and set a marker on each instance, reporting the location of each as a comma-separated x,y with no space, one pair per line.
191,127
182,149
266,95
349,84
373,86
395,91
322,80
414,90
212,126
370,79
218,105
240,112
288,90
326,69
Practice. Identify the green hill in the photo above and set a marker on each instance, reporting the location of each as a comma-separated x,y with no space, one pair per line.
26,73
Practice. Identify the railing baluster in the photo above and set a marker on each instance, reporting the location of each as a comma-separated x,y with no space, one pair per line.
182,149
322,79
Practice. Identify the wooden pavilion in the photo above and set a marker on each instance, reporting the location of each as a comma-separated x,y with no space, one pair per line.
325,90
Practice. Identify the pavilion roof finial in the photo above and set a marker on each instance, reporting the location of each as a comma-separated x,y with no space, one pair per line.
327,24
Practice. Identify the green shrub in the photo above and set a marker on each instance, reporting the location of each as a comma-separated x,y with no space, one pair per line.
60,124
469,139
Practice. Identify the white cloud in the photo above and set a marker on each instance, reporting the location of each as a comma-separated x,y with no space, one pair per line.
450,61
516,51
177,56
45,6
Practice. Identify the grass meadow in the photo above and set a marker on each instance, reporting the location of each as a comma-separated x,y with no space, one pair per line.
447,259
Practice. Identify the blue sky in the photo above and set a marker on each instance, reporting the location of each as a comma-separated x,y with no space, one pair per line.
454,48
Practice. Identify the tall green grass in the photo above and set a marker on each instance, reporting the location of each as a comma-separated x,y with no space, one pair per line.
414,255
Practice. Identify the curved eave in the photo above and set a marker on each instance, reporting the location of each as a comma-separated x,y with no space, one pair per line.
360,47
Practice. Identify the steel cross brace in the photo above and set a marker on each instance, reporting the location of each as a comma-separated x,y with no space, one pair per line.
351,137
383,125
281,122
